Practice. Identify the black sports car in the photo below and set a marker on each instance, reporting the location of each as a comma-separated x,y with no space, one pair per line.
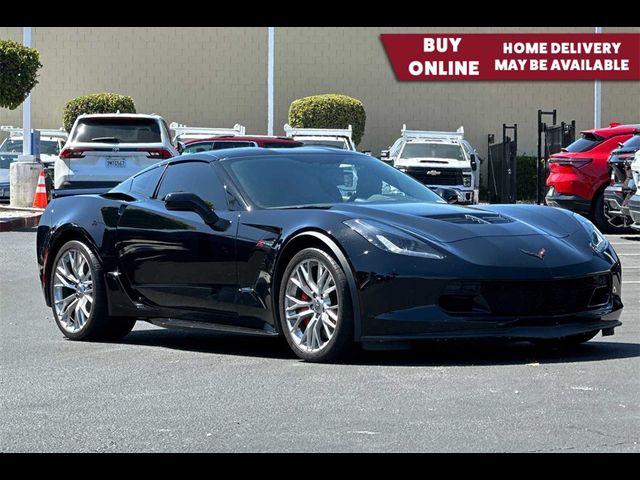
271,242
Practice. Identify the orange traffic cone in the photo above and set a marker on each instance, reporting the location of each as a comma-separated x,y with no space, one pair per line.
40,198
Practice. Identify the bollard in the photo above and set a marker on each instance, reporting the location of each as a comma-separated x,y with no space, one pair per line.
23,180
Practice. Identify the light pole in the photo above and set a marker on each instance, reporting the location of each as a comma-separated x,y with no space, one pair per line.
26,106
270,60
597,98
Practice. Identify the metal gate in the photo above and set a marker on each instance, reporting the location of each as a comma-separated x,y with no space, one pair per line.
503,166
551,139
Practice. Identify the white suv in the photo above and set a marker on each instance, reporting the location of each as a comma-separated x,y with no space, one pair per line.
104,149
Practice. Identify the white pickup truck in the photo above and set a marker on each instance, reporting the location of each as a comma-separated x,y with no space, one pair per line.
327,137
438,159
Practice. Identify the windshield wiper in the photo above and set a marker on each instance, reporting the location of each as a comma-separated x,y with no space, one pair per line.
105,139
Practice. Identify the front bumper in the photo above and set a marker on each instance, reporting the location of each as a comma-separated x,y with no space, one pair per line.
568,202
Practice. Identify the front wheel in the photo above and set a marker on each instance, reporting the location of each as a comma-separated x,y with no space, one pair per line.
78,296
566,342
316,313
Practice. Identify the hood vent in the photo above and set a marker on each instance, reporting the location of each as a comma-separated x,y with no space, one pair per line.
476,218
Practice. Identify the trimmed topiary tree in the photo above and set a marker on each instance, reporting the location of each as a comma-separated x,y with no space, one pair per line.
329,111
96,103
19,67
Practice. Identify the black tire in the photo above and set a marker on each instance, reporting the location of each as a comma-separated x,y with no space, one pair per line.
601,220
98,325
566,342
341,342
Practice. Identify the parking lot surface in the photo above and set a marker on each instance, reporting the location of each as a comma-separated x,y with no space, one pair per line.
160,390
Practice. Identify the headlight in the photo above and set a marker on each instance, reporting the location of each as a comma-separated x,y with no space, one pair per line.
597,240
466,180
394,240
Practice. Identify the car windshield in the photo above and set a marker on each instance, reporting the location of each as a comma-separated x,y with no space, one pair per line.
338,143
432,150
15,146
321,181
585,143
7,159
117,130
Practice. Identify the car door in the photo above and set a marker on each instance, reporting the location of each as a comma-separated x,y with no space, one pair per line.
173,259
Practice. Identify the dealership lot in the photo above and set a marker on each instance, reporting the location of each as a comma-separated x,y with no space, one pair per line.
161,390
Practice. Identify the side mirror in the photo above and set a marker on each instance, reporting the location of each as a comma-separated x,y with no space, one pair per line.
384,155
180,147
449,195
474,161
190,202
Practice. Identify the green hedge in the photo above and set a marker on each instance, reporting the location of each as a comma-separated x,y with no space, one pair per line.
96,103
329,111
19,67
526,178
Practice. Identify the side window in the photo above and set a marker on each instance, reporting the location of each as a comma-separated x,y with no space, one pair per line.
145,183
198,147
195,177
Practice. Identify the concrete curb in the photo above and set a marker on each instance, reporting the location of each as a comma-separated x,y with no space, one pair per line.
15,223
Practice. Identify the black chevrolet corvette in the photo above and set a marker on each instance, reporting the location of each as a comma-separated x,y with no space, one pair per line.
328,248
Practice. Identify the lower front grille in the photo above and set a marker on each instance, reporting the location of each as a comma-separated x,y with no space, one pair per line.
526,298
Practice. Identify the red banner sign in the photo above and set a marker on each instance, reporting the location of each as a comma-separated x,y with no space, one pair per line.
480,56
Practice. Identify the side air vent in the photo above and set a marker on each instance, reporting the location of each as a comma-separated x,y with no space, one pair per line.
476,218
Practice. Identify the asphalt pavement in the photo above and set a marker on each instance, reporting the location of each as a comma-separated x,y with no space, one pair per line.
160,390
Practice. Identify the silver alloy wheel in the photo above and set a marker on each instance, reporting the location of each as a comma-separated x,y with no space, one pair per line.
311,305
72,290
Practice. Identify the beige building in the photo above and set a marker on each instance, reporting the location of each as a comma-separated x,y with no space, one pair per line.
218,77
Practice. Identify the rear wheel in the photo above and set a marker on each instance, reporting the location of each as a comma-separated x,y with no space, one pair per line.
79,299
316,313
566,342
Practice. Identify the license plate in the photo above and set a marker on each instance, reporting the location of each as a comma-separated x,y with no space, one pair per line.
116,163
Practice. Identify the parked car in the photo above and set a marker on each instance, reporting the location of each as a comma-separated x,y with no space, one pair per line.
51,142
261,241
325,137
183,133
47,150
634,201
438,160
618,194
6,159
579,173
104,149
221,143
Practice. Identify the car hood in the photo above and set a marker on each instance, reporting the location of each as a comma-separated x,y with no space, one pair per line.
446,223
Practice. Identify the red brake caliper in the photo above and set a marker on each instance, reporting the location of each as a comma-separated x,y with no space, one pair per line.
305,298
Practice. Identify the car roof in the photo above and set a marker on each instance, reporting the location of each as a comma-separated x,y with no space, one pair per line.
613,129
120,115
244,138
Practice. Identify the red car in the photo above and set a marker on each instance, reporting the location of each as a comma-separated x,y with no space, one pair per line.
219,143
580,174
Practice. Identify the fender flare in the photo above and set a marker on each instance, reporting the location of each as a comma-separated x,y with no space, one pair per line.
331,244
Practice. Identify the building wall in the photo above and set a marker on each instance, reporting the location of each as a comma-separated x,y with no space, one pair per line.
217,77
197,76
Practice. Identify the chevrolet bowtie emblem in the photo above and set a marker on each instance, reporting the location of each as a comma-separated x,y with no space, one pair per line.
540,254
433,172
